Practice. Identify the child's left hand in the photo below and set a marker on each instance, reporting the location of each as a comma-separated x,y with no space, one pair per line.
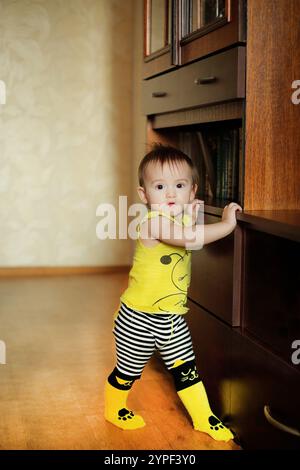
229,213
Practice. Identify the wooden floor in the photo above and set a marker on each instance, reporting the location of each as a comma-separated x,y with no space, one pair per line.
59,351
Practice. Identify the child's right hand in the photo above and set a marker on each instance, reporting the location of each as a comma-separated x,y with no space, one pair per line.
229,215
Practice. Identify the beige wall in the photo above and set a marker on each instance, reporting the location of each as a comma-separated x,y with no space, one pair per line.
71,131
139,128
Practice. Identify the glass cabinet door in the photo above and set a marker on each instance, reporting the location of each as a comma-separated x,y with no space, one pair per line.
202,15
208,26
158,26
159,40
177,32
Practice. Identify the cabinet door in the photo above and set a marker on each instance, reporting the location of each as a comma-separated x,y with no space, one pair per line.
212,275
208,26
271,292
265,394
158,36
212,344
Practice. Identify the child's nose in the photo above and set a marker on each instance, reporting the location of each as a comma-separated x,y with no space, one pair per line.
170,192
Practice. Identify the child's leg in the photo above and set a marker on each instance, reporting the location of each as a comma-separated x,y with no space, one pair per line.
179,358
117,388
192,393
135,346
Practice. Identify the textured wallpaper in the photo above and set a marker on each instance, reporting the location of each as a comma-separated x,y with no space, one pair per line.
66,128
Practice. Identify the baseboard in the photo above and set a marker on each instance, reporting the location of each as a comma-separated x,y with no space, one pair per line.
60,271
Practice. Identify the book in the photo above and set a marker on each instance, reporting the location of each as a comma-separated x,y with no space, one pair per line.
241,169
208,162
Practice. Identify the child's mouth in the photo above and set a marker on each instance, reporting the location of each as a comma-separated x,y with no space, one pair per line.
171,203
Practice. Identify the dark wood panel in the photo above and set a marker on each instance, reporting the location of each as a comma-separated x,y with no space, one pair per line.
212,343
271,291
212,275
261,379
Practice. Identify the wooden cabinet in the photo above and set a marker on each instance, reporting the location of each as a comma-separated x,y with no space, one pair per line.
244,295
177,32
252,372
265,382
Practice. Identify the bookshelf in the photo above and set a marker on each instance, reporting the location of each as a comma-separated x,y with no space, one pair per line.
217,148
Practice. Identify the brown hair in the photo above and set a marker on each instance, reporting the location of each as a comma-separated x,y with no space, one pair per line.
166,154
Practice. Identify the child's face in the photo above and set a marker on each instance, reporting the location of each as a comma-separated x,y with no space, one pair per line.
168,184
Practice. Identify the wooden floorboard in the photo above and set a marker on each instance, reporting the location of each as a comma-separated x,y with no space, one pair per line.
59,351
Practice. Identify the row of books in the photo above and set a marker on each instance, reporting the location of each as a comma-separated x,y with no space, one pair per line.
218,156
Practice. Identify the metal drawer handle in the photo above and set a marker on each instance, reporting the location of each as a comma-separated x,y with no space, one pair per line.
159,94
205,80
278,424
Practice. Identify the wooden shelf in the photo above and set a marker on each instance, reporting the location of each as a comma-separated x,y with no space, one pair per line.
282,223
231,110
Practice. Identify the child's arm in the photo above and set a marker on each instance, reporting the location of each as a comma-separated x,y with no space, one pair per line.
213,232
194,236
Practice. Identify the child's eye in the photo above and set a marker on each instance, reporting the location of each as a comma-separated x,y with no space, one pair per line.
180,185
159,186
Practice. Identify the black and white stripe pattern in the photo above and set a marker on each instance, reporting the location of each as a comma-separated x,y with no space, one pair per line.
139,334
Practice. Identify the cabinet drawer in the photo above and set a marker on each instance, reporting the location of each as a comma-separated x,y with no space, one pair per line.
161,94
259,380
212,80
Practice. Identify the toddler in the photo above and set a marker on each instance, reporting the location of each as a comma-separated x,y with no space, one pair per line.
151,312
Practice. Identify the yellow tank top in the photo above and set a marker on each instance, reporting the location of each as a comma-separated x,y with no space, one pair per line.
159,277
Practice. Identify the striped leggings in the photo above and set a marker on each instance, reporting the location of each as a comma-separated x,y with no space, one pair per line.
139,334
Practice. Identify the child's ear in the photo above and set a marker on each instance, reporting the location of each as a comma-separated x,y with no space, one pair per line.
142,194
193,192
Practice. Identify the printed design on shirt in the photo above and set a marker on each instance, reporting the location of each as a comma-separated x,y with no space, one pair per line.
179,279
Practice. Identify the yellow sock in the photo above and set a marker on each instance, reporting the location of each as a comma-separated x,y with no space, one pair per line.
196,402
116,411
